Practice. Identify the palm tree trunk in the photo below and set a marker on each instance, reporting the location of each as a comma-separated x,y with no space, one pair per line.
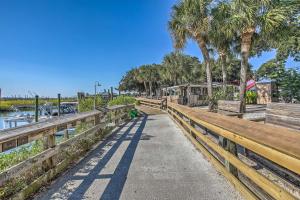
150,86
204,50
245,49
224,71
146,90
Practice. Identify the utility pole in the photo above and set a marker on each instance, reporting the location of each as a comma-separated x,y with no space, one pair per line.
96,84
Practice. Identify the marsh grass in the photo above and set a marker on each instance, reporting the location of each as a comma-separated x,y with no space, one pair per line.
6,105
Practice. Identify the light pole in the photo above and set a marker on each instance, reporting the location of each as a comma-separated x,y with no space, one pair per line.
96,84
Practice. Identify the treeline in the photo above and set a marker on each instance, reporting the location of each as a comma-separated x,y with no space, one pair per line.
175,69
227,33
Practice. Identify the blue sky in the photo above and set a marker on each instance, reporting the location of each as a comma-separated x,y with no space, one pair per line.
64,46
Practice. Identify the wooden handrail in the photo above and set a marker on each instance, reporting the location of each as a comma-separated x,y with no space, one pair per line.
277,144
10,138
283,150
56,157
271,142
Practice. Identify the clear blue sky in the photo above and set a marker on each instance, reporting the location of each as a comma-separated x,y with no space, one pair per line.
63,46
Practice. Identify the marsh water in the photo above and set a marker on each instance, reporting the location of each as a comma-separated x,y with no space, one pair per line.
5,115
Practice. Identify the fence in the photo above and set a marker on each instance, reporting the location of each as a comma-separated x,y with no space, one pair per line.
218,137
26,177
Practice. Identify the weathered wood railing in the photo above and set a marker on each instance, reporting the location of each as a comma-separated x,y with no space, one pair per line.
36,171
281,146
155,103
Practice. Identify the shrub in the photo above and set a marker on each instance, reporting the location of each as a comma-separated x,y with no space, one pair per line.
87,104
251,97
122,100
15,156
220,94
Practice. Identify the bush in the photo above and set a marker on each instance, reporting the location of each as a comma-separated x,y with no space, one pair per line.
220,94
87,104
15,156
122,100
251,97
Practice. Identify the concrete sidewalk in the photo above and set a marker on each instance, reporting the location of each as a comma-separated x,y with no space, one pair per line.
149,158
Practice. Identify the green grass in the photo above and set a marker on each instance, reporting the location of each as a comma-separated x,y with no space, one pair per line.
5,105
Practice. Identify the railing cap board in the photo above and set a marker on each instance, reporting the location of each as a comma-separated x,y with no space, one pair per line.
117,107
279,138
21,131
149,100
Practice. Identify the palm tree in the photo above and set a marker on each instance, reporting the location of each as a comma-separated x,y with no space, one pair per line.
140,74
190,19
253,19
221,38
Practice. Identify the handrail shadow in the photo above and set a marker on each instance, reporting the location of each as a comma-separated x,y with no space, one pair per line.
117,180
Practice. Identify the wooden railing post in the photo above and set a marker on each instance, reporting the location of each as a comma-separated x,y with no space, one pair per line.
49,142
97,120
66,132
232,148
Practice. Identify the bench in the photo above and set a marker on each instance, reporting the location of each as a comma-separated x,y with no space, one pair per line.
229,108
283,114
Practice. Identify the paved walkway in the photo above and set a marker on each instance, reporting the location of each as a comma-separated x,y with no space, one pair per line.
149,158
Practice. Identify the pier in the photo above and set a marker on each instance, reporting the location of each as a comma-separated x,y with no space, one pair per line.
169,152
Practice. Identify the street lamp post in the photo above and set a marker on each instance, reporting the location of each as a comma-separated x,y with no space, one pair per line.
96,84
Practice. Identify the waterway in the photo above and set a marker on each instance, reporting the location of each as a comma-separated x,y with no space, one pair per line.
5,115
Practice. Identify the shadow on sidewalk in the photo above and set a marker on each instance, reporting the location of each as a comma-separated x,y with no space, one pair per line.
117,180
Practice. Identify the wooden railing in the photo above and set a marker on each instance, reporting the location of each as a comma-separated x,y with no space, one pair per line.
155,103
55,157
218,136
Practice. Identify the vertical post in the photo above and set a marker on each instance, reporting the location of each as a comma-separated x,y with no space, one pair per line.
66,131
232,148
111,93
58,97
95,97
97,120
36,108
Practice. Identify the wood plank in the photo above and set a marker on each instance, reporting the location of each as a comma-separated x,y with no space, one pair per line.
282,120
292,110
232,106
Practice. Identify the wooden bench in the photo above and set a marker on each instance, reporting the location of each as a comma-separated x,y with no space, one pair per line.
229,108
283,114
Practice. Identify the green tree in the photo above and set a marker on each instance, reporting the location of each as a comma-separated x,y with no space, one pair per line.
254,20
179,68
190,20
273,69
221,38
290,85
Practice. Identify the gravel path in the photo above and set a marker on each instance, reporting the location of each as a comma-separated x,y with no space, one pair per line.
149,158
